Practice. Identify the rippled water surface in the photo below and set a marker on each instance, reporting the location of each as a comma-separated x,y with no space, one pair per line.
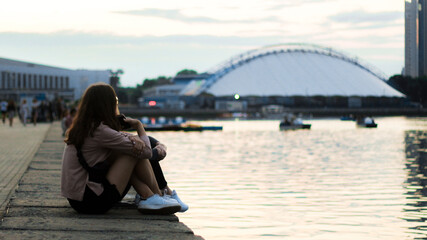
335,181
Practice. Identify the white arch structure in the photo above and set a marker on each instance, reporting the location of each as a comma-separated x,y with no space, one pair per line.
293,69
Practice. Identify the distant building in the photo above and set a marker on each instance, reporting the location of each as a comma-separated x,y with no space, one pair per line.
411,38
293,70
163,90
422,47
415,38
185,79
294,75
167,96
288,76
20,79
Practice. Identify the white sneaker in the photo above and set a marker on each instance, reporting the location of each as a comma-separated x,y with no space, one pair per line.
184,207
158,205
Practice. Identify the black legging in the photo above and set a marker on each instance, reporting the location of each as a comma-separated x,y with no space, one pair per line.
154,160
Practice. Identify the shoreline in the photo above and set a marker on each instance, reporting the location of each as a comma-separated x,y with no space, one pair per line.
206,114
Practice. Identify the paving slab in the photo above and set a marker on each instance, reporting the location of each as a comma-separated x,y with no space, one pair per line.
93,224
38,202
18,145
36,210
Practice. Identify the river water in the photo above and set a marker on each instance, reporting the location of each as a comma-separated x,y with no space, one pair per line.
335,181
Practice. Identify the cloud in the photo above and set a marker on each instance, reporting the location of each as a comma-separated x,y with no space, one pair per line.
150,56
298,3
140,57
176,15
360,16
73,38
173,14
377,26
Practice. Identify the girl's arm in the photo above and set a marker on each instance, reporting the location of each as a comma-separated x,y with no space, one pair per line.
145,147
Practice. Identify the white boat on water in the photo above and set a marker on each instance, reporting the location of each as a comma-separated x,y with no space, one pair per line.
290,122
367,122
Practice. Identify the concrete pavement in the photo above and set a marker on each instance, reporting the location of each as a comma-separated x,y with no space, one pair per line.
18,144
36,210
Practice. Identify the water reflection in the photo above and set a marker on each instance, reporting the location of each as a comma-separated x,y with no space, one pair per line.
336,181
416,164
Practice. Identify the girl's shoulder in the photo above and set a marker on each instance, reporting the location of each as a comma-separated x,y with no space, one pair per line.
105,134
104,129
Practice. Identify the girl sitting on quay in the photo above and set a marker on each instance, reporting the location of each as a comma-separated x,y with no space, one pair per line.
100,163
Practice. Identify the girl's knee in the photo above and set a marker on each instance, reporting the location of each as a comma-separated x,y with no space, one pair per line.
116,156
127,158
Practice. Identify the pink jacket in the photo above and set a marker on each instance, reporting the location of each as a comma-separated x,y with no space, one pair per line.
98,148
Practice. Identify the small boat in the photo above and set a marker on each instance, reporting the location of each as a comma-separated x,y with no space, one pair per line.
367,125
283,126
367,122
291,122
347,118
178,124
191,127
162,127
212,128
184,127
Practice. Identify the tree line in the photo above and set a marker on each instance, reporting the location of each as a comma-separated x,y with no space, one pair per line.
414,88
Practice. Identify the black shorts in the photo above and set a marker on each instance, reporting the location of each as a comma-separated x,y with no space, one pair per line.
93,204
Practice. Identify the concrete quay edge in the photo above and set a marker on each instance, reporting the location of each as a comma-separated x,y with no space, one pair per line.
36,210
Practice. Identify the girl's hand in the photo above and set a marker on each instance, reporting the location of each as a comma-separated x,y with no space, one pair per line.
134,123
138,145
146,147
161,150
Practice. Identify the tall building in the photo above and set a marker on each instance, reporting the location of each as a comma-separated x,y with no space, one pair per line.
415,38
411,38
422,44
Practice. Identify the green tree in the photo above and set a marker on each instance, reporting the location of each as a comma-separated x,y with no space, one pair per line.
186,72
414,88
149,83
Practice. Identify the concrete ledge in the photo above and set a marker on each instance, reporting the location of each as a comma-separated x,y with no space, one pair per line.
36,209
43,235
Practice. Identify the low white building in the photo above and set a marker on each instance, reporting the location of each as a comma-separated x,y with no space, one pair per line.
292,70
163,90
20,79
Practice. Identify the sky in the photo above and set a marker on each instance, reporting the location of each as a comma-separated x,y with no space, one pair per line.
147,39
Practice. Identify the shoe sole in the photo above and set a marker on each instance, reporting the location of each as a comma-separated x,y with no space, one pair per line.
161,211
183,210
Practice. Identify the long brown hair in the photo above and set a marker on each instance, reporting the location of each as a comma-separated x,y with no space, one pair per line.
98,104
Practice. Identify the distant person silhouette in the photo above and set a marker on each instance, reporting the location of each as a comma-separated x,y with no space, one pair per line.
24,111
3,107
11,111
35,110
